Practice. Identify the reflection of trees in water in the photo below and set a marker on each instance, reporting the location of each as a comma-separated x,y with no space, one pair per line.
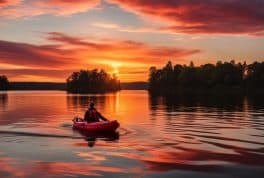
172,102
82,101
102,102
193,103
3,100
255,101
185,113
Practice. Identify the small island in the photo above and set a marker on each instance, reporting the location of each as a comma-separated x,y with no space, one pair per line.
4,83
92,81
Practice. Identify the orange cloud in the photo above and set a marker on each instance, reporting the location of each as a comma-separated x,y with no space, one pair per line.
203,17
120,51
4,3
67,53
37,74
120,28
25,8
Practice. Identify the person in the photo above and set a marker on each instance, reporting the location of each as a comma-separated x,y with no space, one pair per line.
92,115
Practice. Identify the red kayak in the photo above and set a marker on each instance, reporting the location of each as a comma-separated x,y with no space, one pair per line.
104,126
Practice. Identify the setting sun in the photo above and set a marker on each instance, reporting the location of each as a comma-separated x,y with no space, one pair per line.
115,66
116,71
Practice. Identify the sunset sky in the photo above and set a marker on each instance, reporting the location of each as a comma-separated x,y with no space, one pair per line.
46,40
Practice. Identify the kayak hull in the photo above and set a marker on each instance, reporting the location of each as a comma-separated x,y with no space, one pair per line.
96,127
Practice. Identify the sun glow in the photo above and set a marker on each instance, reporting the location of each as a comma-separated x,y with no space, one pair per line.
116,71
115,66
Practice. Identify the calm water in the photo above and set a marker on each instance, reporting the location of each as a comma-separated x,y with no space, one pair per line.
159,137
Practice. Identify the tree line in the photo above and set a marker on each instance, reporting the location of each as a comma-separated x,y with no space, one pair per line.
4,83
84,81
92,81
208,76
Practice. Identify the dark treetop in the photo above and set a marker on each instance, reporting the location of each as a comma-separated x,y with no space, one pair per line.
4,83
92,81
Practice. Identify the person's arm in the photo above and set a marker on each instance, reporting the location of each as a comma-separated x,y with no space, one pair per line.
86,116
102,117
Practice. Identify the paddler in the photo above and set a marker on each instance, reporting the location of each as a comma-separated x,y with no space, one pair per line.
92,115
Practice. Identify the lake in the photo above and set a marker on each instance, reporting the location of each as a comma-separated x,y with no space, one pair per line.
179,136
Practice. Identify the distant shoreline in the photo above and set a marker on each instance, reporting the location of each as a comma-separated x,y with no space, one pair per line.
62,86
27,86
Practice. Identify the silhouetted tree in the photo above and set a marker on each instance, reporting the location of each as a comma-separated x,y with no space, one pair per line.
153,78
188,76
4,83
177,70
191,64
92,81
167,75
227,74
255,74
206,73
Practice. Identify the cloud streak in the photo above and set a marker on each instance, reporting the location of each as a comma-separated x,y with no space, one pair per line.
28,8
203,17
119,50
69,53
24,54
181,16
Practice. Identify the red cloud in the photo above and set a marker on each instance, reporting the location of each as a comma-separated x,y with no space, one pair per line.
73,41
182,16
24,54
205,16
73,53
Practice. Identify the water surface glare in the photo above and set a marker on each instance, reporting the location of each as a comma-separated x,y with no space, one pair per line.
179,136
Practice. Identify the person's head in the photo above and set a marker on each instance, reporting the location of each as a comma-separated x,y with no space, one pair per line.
92,105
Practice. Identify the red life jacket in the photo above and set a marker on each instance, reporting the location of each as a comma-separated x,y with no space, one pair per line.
93,114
